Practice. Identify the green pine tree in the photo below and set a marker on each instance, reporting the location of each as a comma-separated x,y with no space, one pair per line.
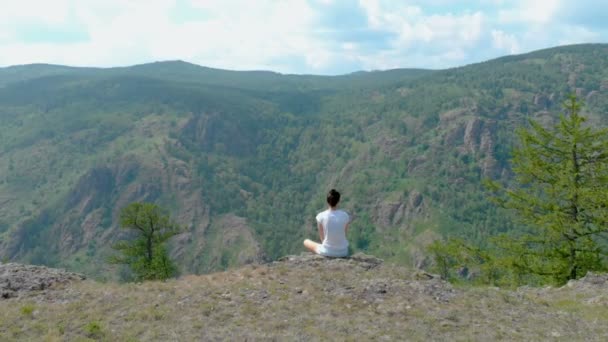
146,254
560,192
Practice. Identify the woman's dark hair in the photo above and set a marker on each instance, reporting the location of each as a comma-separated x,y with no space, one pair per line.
333,197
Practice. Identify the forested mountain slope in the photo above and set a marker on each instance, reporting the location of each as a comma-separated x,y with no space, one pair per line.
243,159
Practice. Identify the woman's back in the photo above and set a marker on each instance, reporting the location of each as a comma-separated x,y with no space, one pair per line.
333,226
334,223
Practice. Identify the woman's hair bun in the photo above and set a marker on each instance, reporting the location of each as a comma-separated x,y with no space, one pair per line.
333,197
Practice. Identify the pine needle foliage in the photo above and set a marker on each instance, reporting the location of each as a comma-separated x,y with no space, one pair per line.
146,254
560,192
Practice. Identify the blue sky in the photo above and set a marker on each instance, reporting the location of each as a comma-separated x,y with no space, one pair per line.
291,36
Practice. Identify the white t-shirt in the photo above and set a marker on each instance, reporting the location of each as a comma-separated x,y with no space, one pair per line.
334,222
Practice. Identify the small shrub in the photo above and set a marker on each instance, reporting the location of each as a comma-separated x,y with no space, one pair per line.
93,330
61,328
27,310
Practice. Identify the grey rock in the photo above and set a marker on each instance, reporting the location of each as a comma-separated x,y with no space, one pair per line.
387,213
307,259
370,260
590,280
19,279
592,94
472,133
400,211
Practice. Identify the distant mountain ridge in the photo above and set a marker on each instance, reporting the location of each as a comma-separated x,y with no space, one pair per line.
243,159
179,70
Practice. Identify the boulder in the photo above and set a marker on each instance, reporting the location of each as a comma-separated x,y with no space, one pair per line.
18,279
590,280
314,260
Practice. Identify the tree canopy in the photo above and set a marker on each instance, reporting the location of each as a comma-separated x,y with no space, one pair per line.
146,254
561,194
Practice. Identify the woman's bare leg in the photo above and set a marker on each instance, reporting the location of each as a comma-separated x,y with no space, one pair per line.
311,245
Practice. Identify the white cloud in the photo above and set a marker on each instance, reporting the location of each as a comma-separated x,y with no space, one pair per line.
465,29
444,37
577,34
531,12
505,41
287,35
245,34
119,32
411,25
232,34
383,15
50,12
537,24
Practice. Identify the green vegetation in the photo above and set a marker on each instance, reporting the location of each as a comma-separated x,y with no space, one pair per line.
27,310
560,193
146,253
407,148
93,330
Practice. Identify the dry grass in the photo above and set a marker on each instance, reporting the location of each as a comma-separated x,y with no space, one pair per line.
312,301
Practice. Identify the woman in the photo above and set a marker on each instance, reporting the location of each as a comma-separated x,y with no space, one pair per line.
333,226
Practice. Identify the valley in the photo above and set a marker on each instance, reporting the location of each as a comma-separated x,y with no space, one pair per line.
243,159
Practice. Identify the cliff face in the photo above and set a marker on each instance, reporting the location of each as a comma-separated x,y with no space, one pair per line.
89,219
400,212
303,297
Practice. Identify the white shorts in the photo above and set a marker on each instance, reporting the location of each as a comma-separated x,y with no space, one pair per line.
324,251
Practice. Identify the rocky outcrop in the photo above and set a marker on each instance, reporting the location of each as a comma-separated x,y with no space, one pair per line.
454,135
472,134
478,136
237,235
212,132
392,147
416,164
92,188
359,260
478,140
592,94
591,281
486,150
18,280
593,285
541,100
457,122
385,212
398,212
374,289
97,195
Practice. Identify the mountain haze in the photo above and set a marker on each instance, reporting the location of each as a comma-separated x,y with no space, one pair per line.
243,159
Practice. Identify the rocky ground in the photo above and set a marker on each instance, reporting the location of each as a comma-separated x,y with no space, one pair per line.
23,280
303,297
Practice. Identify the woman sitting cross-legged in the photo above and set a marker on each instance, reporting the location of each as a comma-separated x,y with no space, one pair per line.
333,226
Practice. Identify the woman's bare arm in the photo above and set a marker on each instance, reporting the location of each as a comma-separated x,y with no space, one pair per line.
321,235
